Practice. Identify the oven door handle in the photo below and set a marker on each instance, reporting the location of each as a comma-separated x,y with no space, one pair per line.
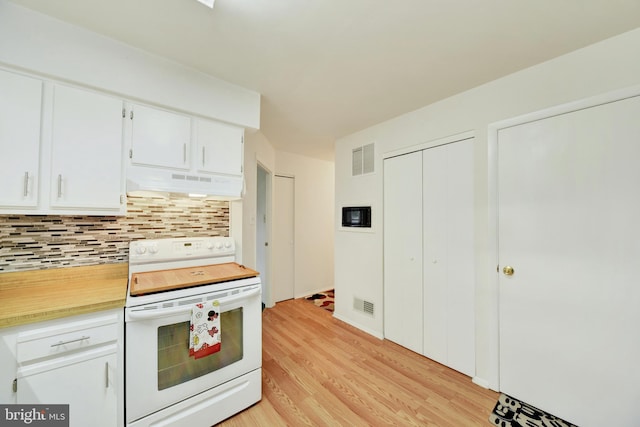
155,314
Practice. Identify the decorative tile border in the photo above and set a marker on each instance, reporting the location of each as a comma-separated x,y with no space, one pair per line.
33,242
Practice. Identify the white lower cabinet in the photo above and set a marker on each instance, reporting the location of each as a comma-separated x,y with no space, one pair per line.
75,361
429,274
85,383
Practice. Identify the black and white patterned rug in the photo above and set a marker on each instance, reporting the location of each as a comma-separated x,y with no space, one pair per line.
510,412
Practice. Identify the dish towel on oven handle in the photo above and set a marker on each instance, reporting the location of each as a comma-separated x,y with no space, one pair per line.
204,336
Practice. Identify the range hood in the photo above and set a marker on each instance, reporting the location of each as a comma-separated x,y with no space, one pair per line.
142,178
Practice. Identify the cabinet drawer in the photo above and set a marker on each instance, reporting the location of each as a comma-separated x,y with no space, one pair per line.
66,338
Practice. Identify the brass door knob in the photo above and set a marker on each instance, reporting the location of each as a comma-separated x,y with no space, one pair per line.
508,270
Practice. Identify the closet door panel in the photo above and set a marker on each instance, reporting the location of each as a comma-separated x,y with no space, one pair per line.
434,184
403,250
460,258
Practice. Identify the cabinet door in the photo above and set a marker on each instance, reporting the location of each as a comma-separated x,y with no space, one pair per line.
86,153
89,387
20,114
403,250
160,138
219,148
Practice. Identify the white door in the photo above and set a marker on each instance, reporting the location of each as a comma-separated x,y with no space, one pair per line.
86,153
20,107
403,321
283,239
569,209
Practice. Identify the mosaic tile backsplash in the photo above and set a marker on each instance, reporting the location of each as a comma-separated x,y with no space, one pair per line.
33,242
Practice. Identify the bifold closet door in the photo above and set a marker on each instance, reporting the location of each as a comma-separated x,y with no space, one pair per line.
448,248
403,250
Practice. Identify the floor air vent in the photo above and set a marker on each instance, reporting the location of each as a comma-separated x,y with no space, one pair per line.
363,306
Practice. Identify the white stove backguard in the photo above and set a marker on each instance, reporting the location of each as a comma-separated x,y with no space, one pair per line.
154,253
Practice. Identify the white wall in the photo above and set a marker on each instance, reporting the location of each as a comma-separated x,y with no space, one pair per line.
313,198
38,43
257,149
606,66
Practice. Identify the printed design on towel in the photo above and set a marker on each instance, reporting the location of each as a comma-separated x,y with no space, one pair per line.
204,335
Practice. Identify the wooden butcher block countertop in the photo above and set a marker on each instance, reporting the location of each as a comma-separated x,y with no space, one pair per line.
163,280
34,296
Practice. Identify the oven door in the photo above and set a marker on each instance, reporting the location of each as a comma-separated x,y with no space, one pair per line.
159,371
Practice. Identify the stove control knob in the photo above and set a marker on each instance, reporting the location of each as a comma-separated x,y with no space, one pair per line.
153,249
219,245
209,245
227,245
141,250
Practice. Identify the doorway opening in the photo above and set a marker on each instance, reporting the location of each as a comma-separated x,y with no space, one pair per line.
263,231
283,238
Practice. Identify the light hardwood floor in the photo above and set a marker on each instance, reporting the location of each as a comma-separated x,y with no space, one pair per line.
319,371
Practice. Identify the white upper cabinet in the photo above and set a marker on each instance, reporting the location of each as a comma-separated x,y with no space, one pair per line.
159,138
20,118
61,149
86,152
64,149
219,148
175,153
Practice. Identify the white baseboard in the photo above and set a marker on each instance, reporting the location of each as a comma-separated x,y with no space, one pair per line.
483,383
362,328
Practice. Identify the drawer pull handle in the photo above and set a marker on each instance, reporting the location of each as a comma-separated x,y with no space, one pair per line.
82,338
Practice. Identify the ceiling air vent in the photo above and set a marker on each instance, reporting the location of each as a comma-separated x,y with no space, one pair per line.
362,160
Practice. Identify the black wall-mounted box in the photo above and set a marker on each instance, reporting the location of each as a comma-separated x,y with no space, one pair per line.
356,216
